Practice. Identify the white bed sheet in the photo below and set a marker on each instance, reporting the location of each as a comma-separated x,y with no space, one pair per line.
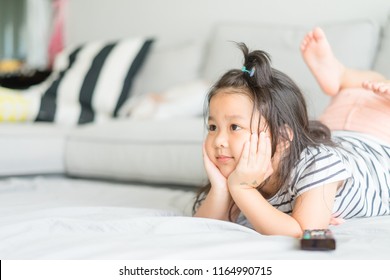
63,218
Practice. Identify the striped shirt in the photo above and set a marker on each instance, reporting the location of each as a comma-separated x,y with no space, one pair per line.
360,161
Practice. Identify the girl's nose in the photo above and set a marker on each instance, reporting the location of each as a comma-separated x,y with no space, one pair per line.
221,140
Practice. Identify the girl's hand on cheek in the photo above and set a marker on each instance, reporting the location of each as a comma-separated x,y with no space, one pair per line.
217,180
254,165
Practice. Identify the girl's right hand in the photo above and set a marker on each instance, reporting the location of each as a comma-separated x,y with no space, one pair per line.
217,180
218,203
336,221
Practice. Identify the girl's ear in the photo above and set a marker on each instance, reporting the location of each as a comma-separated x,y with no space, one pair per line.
285,143
289,132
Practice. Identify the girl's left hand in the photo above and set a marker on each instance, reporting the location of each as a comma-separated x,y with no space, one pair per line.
254,165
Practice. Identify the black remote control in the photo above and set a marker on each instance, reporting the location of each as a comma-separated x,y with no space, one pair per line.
318,240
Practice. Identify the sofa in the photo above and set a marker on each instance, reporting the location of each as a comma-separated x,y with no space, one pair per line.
122,147
71,178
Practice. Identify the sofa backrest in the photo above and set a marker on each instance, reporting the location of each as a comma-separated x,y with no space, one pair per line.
282,43
382,61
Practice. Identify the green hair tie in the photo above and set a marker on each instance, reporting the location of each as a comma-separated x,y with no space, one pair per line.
251,72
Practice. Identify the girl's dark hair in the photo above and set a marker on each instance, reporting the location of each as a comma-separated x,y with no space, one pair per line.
280,101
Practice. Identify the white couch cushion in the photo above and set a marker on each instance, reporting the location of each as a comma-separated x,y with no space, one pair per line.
146,151
28,148
354,42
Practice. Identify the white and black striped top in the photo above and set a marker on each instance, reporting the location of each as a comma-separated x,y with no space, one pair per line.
362,162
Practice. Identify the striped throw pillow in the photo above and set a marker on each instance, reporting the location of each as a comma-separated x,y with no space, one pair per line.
91,82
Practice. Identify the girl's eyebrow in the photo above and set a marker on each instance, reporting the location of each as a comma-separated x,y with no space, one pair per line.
229,117
234,117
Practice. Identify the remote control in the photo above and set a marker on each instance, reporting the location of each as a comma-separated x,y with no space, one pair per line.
318,240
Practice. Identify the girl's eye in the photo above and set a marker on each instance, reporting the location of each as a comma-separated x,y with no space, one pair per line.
235,127
212,127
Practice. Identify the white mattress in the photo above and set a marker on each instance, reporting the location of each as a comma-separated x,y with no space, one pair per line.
63,218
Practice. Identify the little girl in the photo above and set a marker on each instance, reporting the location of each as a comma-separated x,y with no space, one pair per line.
274,170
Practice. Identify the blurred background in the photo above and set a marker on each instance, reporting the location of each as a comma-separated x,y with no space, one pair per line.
31,34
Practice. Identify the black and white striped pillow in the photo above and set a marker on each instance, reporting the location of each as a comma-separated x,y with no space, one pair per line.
91,82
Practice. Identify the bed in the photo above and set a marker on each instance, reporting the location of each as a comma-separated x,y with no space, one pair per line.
54,217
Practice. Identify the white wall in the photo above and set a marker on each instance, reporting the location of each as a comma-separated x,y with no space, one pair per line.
188,19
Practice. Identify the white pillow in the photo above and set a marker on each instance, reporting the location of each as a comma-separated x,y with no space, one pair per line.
184,100
90,82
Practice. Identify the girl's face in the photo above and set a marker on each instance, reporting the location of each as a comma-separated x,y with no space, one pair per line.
229,127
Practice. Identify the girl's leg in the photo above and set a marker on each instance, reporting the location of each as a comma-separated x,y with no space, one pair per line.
330,73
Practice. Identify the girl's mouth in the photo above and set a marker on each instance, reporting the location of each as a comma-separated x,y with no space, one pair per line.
224,159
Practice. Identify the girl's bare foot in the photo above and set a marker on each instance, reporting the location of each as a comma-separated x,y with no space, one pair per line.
381,88
319,57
